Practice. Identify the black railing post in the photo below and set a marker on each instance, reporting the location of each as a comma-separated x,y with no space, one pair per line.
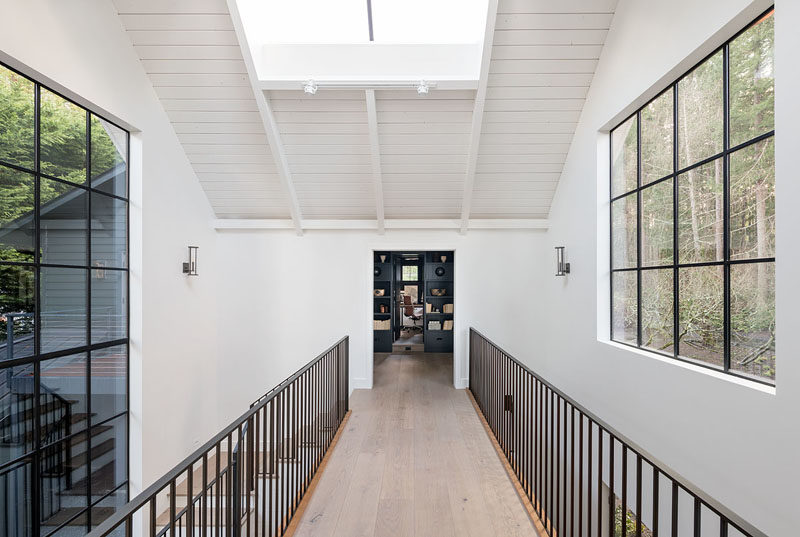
235,496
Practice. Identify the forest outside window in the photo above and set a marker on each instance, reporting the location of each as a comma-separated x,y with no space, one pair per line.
693,214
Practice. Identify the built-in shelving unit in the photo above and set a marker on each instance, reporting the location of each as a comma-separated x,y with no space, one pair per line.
439,301
382,302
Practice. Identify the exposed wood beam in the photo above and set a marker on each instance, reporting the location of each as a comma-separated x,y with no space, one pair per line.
355,225
268,118
477,116
375,154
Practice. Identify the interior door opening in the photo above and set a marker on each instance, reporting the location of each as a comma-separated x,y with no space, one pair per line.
413,301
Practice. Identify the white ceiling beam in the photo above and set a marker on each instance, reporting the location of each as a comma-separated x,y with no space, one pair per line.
477,115
391,224
268,118
375,156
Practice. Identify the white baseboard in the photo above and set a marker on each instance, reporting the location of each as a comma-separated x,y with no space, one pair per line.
361,384
462,383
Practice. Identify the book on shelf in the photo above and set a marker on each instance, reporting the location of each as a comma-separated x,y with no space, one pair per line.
448,325
428,307
447,308
434,325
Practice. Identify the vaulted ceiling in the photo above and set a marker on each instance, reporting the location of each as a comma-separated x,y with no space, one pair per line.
376,156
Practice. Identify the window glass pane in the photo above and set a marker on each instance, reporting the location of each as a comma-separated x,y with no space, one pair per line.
657,137
110,470
17,421
17,290
623,158
410,273
656,224
63,223
17,226
17,500
700,111
753,319
16,119
106,507
63,391
109,157
63,310
623,232
657,318
701,314
62,470
63,138
752,82
701,210
624,309
109,232
109,305
109,385
752,217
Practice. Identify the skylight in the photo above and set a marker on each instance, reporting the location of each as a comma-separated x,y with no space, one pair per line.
347,21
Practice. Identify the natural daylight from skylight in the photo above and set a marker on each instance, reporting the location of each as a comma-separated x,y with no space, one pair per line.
347,21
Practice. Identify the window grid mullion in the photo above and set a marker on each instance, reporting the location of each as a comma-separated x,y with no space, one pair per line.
89,485
611,234
726,225
675,228
37,317
639,228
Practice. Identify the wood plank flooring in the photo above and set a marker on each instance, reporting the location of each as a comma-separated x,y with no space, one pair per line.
414,460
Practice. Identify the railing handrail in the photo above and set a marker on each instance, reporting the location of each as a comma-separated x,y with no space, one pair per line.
144,497
663,468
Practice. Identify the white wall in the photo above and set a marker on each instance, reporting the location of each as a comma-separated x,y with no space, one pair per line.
734,440
286,298
82,47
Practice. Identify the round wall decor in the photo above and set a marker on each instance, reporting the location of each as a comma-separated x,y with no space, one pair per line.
377,271
439,271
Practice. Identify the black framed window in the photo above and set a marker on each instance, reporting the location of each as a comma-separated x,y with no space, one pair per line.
410,273
63,312
692,190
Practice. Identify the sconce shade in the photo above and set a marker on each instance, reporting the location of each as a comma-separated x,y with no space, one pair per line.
562,268
190,268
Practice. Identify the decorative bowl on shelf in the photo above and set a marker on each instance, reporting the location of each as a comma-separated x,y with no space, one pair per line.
379,292
438,292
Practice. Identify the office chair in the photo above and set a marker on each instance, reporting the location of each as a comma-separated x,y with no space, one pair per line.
408,311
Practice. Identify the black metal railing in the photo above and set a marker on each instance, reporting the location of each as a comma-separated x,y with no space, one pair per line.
582,477
250,478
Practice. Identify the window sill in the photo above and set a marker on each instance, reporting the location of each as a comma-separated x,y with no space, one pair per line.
739,381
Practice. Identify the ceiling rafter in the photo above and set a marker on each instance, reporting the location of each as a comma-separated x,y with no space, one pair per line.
477,115
375,156
268,118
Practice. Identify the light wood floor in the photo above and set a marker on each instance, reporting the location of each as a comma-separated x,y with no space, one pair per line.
414,459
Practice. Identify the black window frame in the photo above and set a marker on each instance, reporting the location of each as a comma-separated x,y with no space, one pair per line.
35,455
675,265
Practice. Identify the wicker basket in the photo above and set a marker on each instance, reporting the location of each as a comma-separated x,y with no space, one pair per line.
379,292
438,292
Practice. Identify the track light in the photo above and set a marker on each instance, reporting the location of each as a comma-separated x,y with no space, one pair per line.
310,87
423,88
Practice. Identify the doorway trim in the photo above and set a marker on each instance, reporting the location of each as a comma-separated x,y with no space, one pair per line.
460,379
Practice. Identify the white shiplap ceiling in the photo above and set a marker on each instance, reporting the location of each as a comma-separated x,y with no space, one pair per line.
379,155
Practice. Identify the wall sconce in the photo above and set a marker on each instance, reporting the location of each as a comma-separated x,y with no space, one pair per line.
190,268
562,269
